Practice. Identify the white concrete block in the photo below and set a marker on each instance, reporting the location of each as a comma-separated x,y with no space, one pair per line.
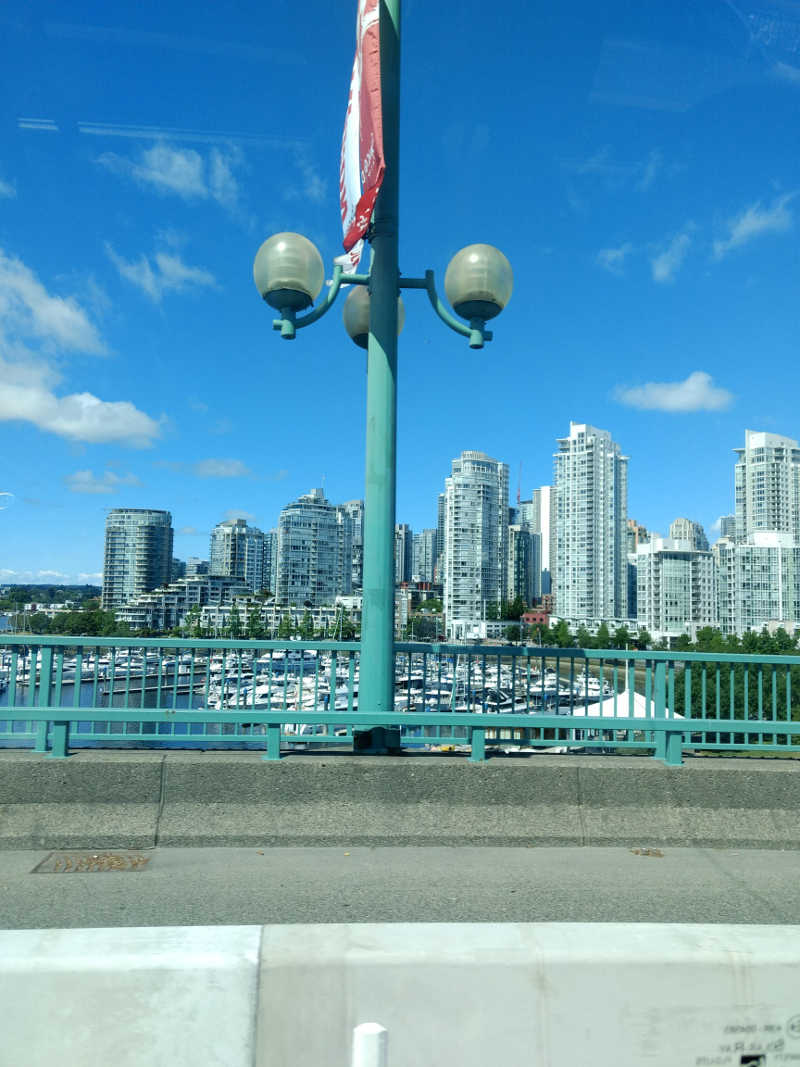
538,995
129,997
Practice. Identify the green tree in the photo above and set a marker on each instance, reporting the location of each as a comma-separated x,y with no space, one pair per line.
562,638
285,627
433,603
602,637
622,638
492,611
512,633
307,626
39,623
255,627
584,639
347,626
235,623
512,610
644,640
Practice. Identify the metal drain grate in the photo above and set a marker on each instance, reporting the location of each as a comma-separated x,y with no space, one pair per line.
92,862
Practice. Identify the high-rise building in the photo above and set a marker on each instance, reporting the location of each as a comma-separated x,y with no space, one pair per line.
759,582
759,563
440,516
271,560
355,509
424,567
476,540
538,515
315,553
237,551
591,484
676,588
767,485
727,526
138,554
195,565
524,564
636,534
403,553
691,532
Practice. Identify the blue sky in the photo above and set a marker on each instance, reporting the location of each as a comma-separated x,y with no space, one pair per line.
638,165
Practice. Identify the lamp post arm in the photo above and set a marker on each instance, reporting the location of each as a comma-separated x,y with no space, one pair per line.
288,323
476,331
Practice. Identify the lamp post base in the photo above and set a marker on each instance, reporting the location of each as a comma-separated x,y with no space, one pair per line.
378,741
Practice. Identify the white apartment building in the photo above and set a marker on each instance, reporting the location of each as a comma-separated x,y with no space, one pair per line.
539,515
137,556
767,485
759,582
355,510
690,531
759,567
591,487
475,541
676,588
237,551
315,551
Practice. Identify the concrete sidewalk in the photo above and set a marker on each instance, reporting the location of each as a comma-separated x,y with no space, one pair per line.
213,886
140,799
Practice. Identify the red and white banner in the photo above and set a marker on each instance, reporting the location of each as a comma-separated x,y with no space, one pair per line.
362,164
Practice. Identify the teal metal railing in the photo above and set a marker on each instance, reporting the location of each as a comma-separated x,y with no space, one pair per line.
63,693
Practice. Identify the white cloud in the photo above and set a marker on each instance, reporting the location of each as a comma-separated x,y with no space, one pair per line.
36,328
168,273
667,263
220,468
183,172
43,577
235,513
77,416
187,531
311,186
86,482
28,310
7,190
696,393
650,169
6,499
754,221
787,72
613,259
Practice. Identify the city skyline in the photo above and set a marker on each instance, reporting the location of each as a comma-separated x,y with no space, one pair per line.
197,541
631,161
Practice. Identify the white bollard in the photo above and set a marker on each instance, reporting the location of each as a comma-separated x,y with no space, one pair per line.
370,1045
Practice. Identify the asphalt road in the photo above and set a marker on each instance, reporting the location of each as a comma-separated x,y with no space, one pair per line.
211,886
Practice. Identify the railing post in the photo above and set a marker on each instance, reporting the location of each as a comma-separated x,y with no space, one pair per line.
673,748
669,743
45,670
60,741
477,744
273,741
659,706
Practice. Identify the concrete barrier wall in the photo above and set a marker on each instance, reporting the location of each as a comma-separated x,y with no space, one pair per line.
106,799
537,995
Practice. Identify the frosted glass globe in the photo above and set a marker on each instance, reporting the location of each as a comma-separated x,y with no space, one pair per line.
478,282
355,315
288,271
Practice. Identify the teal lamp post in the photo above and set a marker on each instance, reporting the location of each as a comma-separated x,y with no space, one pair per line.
289,274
